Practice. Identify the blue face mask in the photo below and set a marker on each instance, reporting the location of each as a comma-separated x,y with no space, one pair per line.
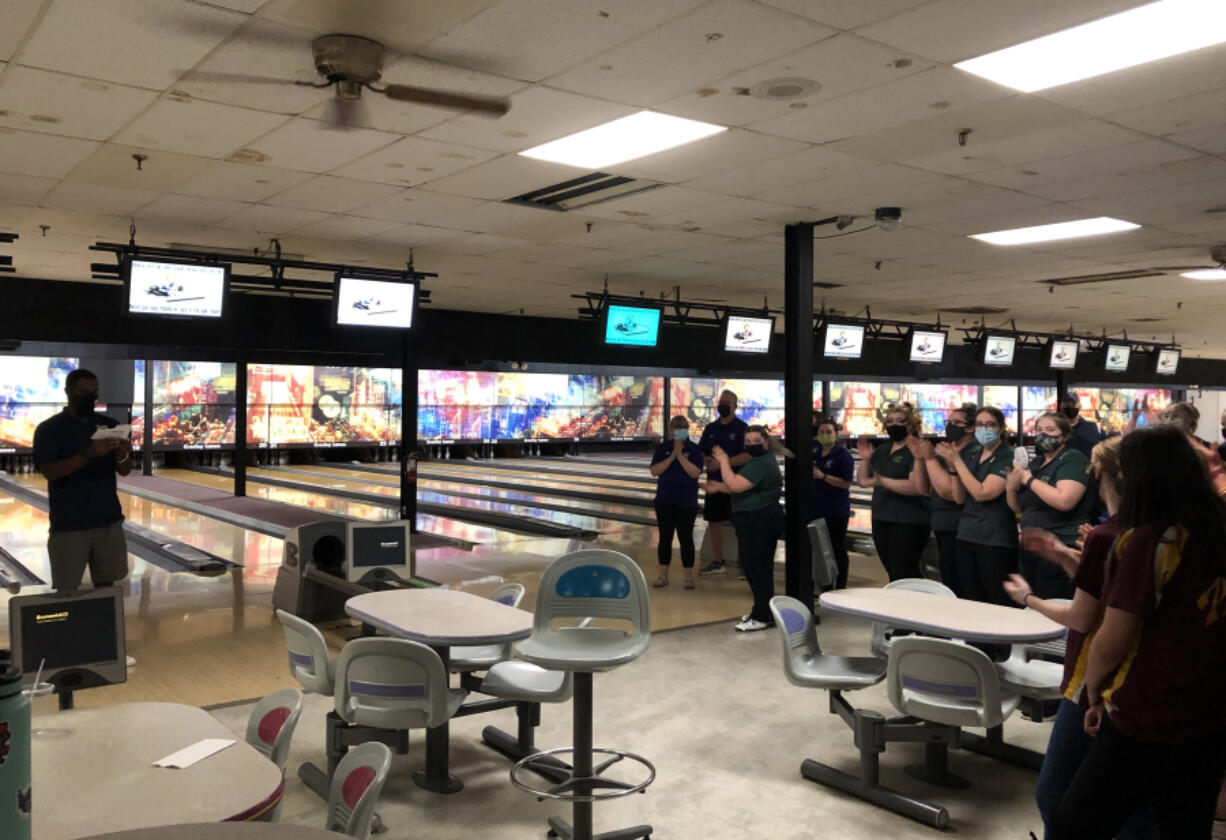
681,434
986,437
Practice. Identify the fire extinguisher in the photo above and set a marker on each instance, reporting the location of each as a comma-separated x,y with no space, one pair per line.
410,468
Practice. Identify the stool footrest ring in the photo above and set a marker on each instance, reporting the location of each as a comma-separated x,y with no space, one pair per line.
582,788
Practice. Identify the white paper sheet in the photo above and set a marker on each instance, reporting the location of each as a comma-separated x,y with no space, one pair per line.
121,432
188,756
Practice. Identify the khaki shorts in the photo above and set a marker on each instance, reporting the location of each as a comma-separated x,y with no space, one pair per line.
103,549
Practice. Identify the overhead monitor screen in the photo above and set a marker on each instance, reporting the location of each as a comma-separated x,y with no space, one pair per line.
176,289
632,326
748,335
1117,357
375,303
999,350
927,345
1168,361
844,341
1063,355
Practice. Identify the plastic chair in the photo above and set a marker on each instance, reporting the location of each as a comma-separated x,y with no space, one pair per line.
309,661
805,665
393,684
596,584
355,790
880,644
1035,679
467,658
271,725
825,569
946,683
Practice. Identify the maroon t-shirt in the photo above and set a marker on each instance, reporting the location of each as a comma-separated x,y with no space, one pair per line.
1171,685
1091,570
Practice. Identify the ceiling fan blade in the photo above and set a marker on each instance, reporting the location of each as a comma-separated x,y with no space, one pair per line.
245,78
493,107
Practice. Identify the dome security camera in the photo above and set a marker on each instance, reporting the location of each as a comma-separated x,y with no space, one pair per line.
888,218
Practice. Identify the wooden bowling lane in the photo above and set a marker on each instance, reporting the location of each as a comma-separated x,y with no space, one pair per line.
463,469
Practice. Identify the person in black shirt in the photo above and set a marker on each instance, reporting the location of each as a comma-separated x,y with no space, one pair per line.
1086,434
728,433
86,519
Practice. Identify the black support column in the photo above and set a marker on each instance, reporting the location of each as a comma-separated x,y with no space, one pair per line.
408,435
668,408
146,455
240,427
798,405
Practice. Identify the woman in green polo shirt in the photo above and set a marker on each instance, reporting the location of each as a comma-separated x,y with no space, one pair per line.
1051,495
757,516
902,514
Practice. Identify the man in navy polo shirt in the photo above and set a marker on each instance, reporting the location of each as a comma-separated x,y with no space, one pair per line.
728,433
86,519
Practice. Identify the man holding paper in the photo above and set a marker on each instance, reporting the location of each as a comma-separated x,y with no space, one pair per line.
79,451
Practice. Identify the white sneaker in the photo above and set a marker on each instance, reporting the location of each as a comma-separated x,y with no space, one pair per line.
750,624
131,661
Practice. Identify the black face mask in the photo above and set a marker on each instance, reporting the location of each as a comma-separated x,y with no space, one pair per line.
1071,412
755,449
953,433
724,409
896,433
83,404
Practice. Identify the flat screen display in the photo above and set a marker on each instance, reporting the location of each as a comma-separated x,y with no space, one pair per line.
844,341
176,289
999,349
381,546
632,326
1063,355
1116,359
748,335
927,346
79,630
1168,362
375,303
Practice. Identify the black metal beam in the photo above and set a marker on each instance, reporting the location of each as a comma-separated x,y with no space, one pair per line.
408,435
147,441
240,427
798,407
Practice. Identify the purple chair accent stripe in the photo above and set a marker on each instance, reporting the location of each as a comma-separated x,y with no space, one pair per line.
407,690
949,689
793,621
303,661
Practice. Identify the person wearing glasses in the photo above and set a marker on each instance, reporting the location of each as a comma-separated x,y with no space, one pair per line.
86,519
902,514
946,507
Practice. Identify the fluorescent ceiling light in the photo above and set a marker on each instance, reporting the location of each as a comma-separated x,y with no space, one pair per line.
635,136
1148,33
1206,274
1050,233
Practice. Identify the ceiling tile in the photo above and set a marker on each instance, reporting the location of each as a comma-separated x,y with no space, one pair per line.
412,160
417,236
1209,139
668,241
24,189
649,206
332,195
81,38
658,269
504,177
401,26
16,17
708,156
52,103
265,219
549,37
347,227
1123,206
808,165
415,205
192,127
988,200
190,209
1182,114
95,198
845,14
1144,179
538,114
740,210
838,187
1070,176
24,153
953,30
708,43
242,181
490,217
481,243
312,147
114,166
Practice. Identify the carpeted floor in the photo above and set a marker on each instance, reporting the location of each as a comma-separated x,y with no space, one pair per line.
726,731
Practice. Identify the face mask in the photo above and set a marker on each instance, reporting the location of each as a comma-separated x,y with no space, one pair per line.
755,449
896,433
827,439
681,434
83,404
1071,412
724,409
953,433
1047,443
986,437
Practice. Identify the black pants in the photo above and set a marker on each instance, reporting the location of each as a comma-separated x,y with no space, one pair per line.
1120,774
757,531
900,546
947,551
1046,578
982,571
670,518
837,527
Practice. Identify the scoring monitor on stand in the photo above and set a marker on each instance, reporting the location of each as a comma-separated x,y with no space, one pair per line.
378,552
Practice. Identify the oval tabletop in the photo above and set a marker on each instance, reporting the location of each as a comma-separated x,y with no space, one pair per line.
223,831
441,616
94,773
955,618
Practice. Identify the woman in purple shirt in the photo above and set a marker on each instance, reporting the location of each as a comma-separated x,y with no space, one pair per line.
676,464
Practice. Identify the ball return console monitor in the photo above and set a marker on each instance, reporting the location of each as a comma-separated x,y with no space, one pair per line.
378,552
77,638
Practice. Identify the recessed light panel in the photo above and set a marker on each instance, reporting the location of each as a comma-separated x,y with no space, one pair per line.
635,136
1137,36
1206,274
1052,233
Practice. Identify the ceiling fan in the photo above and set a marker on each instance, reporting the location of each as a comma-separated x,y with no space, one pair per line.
352,63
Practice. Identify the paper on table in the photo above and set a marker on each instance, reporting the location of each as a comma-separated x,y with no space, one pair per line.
121,432
188,756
